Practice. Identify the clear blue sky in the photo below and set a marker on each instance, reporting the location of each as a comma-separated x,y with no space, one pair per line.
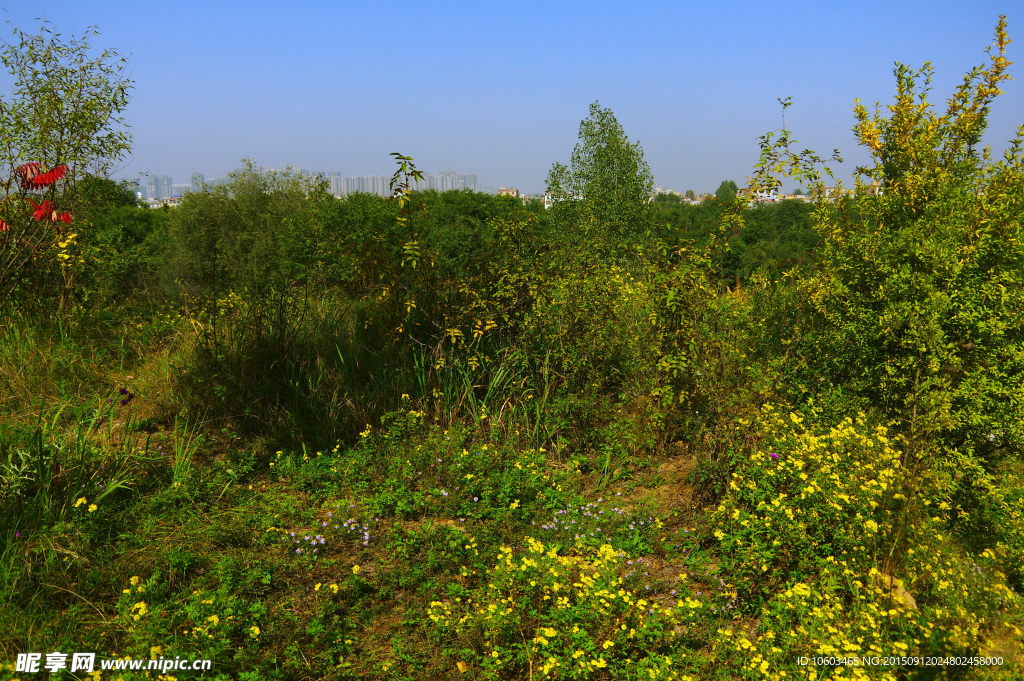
499,89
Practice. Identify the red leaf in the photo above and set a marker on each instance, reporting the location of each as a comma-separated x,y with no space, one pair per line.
43,211
27,173
32,177
48,178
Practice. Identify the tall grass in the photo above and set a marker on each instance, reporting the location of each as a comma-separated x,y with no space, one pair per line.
289,374
50,471
43,359
45,467
186,443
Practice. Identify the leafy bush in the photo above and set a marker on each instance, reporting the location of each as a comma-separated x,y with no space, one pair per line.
918,295
834,549
539,613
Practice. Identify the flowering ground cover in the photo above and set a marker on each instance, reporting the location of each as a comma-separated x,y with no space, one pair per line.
424,551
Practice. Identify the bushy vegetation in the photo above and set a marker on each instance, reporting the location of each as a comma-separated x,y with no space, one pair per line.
459,436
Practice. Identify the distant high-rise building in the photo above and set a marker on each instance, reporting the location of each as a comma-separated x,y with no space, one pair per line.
159,187
198,180
446,181
424,184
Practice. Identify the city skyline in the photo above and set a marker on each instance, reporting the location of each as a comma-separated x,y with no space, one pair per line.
157,187
504,93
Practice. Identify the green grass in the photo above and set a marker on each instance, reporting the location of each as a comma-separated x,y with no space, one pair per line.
438,542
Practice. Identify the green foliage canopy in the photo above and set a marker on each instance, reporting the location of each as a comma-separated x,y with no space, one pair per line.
726,191
608,172
65,110
920,291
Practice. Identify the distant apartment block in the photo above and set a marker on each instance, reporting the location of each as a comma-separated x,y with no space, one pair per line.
134,187
551,199
365,184
445,180
159,187
198,180
508,191
758,196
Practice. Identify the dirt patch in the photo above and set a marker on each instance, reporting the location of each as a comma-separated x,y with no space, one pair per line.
668,489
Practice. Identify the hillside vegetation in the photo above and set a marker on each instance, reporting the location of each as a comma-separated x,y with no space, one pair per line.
449,436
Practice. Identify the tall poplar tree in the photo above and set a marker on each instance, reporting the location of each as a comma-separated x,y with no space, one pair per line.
608,173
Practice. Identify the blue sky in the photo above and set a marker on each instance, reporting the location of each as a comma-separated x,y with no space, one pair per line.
499,89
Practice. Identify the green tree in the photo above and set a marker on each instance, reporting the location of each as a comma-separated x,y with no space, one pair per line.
918,291
64,115
690,195
98,194
915,309
122,247
919,298
608,172
921,289
726,191
253,236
